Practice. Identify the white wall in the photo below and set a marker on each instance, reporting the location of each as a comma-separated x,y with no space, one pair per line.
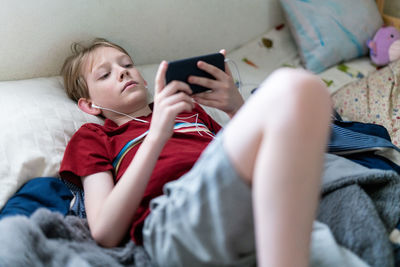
36,35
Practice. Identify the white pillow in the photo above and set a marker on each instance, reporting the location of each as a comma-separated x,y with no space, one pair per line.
38,121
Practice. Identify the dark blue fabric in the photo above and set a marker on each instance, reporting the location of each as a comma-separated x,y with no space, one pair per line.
356,136
370,160
78,207
361,127
396,252
365,128
359,141
42,192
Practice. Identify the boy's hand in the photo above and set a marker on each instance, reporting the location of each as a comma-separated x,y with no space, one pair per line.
223,95
169,101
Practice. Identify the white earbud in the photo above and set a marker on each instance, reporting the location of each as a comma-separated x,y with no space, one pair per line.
96,106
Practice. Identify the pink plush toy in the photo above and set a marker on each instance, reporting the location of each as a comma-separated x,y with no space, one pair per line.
385,46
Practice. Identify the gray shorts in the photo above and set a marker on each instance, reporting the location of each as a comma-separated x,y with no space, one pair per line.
203,219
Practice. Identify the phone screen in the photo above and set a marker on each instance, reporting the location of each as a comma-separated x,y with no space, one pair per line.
180,70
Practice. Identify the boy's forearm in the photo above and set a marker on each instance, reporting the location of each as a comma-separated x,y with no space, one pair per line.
115,216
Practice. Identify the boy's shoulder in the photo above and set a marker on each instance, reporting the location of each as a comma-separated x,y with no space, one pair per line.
89,129
108,129
88,135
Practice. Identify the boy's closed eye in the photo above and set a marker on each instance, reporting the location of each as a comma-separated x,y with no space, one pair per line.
104,76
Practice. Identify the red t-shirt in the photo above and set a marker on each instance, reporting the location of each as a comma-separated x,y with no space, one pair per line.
95,148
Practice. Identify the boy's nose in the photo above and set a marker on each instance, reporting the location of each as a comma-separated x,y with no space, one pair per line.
123,74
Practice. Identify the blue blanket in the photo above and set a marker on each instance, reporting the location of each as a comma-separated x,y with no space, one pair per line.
46,192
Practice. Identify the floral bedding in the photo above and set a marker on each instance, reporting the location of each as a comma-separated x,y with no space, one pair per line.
373,99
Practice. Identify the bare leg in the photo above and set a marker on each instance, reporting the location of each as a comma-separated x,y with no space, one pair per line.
276,142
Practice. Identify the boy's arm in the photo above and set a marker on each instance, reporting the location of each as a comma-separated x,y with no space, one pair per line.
110,208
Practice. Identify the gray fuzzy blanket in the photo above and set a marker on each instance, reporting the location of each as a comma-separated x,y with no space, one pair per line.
361,206
50,239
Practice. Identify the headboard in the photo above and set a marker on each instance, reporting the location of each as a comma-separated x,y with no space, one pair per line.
37,34
390,11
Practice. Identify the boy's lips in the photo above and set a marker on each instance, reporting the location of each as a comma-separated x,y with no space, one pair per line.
129,84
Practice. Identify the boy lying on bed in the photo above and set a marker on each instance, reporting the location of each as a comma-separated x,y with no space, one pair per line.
145,173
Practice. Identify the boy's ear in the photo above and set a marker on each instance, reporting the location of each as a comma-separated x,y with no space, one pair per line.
86,106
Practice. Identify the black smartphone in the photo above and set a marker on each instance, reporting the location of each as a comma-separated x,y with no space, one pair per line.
180,70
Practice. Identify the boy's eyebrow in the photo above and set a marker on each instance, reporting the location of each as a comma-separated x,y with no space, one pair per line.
95,68
119,58
125,56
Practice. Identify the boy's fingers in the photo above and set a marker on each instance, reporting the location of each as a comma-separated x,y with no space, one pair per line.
178,97
160,76
211,69
177,86
205,82
207,102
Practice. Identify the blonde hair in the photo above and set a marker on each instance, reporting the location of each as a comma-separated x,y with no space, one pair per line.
74,82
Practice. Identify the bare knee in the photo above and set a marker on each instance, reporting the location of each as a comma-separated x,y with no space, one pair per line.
289,83
290,95
289,105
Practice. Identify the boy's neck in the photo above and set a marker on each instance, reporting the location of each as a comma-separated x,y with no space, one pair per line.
146,110
122,119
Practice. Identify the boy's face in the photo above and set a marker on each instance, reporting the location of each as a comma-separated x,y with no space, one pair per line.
113,81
